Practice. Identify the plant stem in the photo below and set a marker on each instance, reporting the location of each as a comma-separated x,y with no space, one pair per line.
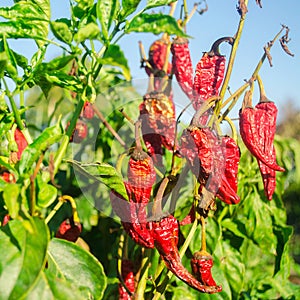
66,138
140,290
231,60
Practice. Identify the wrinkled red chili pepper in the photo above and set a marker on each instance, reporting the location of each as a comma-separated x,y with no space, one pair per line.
266,116
201,264
87,111
165,234
228,188
128,279
129,213
69,230
257,129
80,132
182,65
141,177
21,142
157,114
157,58
195,147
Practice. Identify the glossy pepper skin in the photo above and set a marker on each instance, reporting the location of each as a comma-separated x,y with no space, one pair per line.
157,114
165,234
128,279
201,264
182,65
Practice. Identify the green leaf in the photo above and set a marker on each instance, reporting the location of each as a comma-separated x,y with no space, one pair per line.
50,287
33,151
155,23
89,31
25,243
61,30
128,7
46,193
156,3
104,173
27,19
11,198
114,56
77,266
106,13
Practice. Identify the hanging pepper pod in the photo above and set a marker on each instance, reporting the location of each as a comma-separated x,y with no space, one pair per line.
165,234
87,111
209,73
195,147
21,142
133,218
266,117
157,114
69,230
228,188
141,177
254,122
182,65
201,264
157,57
128,280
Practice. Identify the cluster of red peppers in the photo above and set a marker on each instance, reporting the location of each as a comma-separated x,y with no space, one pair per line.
212,157
257,129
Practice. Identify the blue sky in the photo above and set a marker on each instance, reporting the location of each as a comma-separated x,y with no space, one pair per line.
281,81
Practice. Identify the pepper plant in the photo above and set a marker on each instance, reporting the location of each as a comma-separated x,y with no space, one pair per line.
105,193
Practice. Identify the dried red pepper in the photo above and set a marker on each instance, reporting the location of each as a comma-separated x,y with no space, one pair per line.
182,65
133,218
80,132
88,111
157,114
201,264
228,188
21,142
125,293
257,129
8,177
157,58
165,234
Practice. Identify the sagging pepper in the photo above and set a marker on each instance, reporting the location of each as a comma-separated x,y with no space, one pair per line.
201,264
157,58
165,234
157,114
182,66
257,129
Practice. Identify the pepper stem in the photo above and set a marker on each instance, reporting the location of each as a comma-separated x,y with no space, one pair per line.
262,93
203,234
215,48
